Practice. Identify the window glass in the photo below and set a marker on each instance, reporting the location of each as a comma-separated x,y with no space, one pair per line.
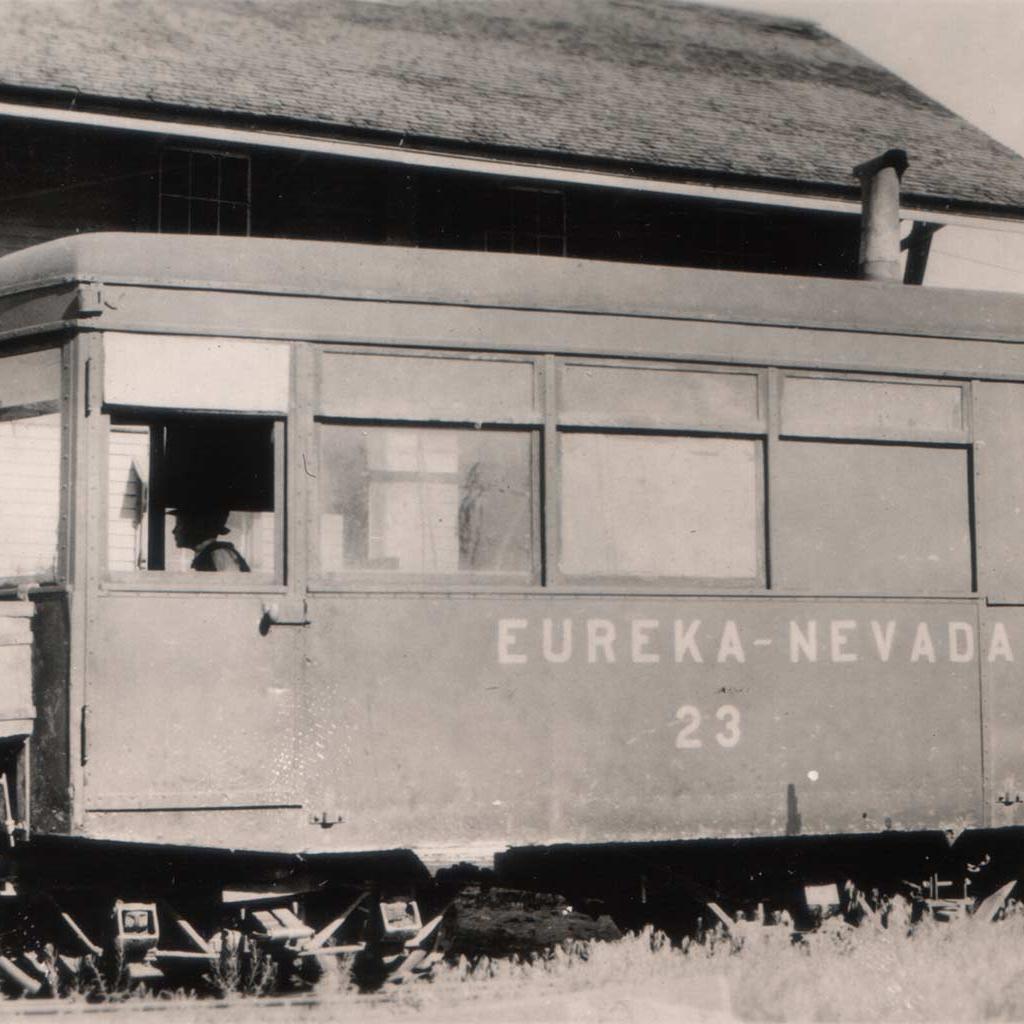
30,465
425,501
840,407
686,398
180,371
192,494
203,193
682,507
871,518
363,385
29,496
526,220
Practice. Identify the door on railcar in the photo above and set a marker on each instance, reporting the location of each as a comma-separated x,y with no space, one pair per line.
189,698
426,511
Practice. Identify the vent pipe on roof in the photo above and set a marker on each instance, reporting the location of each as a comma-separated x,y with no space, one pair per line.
880,215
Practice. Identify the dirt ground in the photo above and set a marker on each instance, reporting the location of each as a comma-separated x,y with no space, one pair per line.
622,1002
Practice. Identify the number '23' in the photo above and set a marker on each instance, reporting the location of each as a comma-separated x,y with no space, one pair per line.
690,718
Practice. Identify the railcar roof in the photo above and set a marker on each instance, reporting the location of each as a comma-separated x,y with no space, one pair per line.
694,91
441,277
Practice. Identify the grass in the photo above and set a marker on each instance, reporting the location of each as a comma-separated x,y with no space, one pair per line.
885,969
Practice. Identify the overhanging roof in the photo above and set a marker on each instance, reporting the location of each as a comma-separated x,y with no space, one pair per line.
648,87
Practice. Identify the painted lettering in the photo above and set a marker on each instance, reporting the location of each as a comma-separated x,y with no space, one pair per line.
686,641
999,644
730,645
559,657
883,641
803,643
838,638
961,641
507,640
923,646
640,637
600,637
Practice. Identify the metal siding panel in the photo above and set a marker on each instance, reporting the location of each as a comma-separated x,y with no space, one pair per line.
188,704
371,273
180,372
427,737
999,454
576,333
1004,722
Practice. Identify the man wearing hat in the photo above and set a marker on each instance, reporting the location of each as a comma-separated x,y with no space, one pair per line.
201,530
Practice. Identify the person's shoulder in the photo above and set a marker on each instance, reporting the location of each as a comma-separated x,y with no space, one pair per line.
226,558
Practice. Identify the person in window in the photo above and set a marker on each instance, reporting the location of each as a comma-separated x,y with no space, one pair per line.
201,531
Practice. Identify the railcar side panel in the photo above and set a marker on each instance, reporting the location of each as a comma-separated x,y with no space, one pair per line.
188,704
682,337
602,719
539,690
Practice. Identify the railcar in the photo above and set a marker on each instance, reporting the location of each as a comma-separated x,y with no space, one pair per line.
611,577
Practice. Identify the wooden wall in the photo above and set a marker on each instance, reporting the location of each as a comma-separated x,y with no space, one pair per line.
59,180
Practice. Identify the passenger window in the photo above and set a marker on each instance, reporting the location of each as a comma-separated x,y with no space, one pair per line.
30,465
871,518
870,489
668,507
426,501
191,494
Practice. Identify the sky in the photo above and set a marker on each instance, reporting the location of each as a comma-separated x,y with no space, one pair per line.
968,55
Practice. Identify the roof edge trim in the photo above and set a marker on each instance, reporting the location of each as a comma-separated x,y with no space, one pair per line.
493,167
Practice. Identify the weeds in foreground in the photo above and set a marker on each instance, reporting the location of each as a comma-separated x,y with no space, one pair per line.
889,968
241,968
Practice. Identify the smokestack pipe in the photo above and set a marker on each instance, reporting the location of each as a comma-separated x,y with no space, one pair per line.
880,215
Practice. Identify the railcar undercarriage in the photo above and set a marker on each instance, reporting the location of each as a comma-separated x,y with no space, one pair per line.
82,916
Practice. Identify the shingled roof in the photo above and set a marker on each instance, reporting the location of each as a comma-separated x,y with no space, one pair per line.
679,90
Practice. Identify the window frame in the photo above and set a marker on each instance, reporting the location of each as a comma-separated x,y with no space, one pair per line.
956,438
170,581
60,405
562,422
190,197
510,193
959,440
531,424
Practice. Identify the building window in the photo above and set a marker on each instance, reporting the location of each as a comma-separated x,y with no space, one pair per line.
527,220
204,193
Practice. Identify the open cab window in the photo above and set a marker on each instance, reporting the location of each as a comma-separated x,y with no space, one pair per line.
195,459
192,494
30,466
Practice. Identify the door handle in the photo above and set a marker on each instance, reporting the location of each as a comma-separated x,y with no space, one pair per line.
284,613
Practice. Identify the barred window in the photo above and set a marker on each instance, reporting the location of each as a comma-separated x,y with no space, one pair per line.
204,193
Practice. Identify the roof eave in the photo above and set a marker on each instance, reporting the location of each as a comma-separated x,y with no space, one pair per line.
71,107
